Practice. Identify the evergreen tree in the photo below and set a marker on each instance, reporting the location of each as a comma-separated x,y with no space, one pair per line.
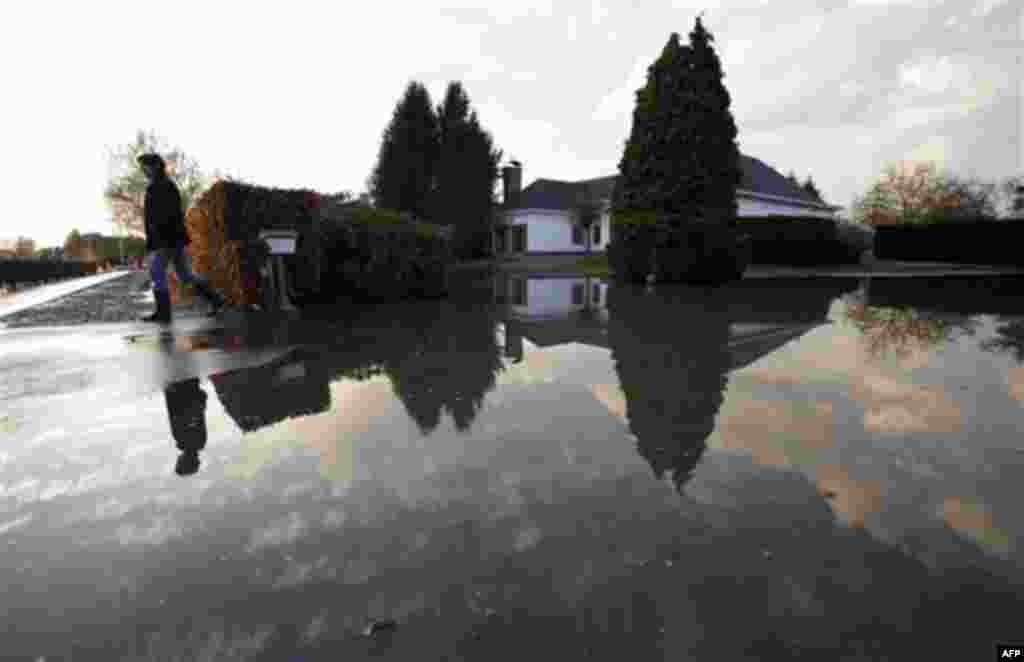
480,176
791,177
453,132
467,169
810,188
455,164
681,158
403,178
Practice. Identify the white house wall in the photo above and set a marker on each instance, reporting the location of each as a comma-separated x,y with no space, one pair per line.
752,207
551,232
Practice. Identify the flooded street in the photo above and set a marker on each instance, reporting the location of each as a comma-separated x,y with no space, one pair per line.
553,467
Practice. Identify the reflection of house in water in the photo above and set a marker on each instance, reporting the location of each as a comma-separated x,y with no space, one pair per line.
552,310
293,385
763,316
543,297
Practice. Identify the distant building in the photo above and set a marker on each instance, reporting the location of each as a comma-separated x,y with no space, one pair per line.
540,218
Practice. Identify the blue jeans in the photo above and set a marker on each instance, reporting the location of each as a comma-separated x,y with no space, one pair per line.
161,258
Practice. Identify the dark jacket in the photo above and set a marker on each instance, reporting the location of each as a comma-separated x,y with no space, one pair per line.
165,220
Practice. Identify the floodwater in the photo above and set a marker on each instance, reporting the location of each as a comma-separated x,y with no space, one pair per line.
546,467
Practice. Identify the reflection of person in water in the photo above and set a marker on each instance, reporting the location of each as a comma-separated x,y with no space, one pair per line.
186,409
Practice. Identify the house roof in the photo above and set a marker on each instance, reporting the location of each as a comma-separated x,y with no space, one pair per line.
757,177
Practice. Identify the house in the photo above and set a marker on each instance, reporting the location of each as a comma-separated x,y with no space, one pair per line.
553,310
541,218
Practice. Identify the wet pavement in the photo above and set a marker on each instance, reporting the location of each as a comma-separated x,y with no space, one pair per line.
26,298
553,467
122,297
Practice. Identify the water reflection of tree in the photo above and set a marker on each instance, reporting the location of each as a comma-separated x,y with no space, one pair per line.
899,331
671,354
1009,338
448,361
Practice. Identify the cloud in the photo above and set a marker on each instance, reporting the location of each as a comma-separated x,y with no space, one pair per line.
284,531
933,74
612,397
896,408
155,532
852,500
618,104
776,433
17,523
285,102
975,521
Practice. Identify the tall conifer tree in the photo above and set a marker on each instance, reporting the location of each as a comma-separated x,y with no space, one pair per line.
681,158
404,176
467,169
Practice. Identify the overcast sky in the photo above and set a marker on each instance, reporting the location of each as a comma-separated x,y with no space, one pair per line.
297,95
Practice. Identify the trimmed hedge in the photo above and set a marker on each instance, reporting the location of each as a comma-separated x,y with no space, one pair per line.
14,271
382,255
966,242
343,250
797,241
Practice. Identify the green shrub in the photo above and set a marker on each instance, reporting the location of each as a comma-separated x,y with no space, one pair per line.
381,255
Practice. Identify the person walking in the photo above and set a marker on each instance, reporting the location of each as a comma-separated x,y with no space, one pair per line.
166,238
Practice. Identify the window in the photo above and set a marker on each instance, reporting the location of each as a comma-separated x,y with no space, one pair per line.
597,233
520,238
577,235
519,292
577,294
597,295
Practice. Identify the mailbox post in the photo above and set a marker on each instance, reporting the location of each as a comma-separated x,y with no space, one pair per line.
275,275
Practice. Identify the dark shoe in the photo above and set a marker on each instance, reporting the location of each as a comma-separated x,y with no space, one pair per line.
163,309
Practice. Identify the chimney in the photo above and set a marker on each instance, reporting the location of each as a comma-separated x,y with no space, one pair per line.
512,177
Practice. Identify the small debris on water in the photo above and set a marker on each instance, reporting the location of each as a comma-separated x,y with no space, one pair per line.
765,553
379,627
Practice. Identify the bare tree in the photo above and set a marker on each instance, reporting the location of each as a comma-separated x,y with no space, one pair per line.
900,331
126,186
923,194
25,247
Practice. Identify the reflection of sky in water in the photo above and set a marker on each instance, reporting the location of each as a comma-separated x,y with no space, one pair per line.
875,433
914,448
